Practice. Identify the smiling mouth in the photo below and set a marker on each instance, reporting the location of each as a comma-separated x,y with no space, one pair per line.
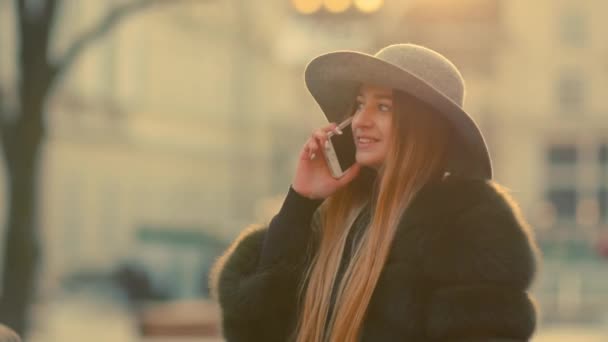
364,142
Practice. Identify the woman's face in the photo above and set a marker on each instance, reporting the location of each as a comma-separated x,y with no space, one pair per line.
372,124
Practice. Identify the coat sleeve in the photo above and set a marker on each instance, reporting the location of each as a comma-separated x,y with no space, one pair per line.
481,266
257,279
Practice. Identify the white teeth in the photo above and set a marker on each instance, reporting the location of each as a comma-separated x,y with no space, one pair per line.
365,140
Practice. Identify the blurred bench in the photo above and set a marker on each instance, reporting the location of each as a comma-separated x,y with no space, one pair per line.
189,318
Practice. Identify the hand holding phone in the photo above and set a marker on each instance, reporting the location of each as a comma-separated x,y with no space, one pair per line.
340,149
313,177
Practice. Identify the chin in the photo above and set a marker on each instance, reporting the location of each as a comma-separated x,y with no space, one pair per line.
368,161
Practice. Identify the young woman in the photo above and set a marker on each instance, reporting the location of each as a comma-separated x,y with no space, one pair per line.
413,243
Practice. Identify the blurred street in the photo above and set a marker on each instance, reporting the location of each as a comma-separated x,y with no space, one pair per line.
95,316
90,317
155,131
573,333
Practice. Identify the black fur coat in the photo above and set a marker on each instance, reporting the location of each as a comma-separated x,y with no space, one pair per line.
459,269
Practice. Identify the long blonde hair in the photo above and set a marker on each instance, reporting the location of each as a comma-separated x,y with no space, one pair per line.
415,156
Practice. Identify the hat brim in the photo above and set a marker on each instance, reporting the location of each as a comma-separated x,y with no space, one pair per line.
333,79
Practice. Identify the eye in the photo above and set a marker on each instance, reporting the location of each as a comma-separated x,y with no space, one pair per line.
384,107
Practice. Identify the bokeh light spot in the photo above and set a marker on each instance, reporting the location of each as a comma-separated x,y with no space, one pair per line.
337,6
307,6
368,6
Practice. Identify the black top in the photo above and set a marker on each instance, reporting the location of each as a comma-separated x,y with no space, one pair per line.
459,269
288,228
292,225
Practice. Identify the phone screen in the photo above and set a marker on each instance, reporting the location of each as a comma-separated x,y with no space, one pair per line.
345,148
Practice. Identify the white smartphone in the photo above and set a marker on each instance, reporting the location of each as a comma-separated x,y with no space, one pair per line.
340,149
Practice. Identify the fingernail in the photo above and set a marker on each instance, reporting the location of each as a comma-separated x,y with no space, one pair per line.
338,130
312,156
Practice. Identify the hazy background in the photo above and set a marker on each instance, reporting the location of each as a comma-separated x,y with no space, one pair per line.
179,123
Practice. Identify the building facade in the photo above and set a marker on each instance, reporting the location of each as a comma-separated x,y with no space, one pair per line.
189,117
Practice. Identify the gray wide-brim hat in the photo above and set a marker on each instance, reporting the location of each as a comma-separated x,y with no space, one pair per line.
334,78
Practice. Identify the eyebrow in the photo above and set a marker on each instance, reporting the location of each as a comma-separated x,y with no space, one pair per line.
380,97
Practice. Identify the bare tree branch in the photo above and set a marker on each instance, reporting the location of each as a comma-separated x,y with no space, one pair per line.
49,15
5,127
2,114
105,25
40,20
20,5
22,24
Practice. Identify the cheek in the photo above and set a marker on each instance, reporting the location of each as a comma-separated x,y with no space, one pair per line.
384,149
387,131
385,125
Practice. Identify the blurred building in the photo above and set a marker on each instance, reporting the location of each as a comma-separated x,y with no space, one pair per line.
173,122
182,119
183,125
536,76
551,143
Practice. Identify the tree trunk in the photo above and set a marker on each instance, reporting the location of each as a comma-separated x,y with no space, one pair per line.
21,151
21,141
21,245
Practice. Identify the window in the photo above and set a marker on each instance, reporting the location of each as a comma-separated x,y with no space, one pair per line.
573,28
562,164
566,163
563,154
603,155
602,199
564,201
109,210
603,181
570,91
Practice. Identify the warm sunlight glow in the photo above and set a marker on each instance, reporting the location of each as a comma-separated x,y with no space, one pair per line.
337,6
307,6
368,6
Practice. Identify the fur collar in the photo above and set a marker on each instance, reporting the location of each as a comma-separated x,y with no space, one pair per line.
459,270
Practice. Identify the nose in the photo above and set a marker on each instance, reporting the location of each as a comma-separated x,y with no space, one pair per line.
362,118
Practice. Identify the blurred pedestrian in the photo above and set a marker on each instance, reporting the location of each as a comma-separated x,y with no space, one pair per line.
414,242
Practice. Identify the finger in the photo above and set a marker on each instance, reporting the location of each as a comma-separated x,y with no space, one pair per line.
320,136
334,128
330,127
320,133
323,131
313,148
318,139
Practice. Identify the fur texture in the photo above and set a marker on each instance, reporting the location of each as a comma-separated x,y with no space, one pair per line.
459,270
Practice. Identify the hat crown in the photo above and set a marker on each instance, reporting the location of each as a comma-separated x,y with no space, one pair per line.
429,66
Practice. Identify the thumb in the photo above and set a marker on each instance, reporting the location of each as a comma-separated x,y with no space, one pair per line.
350,174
